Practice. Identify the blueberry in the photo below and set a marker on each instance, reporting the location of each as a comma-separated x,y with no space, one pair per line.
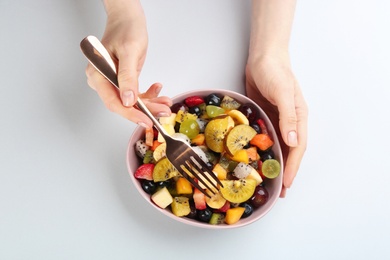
193,212
195,110
213,99
248,209
148,186
162,184
256,127
204,215
269,154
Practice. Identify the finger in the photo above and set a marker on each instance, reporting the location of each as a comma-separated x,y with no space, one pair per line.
151,96
128,76
287,116
111,99
94,78
283,192
296,153
153,91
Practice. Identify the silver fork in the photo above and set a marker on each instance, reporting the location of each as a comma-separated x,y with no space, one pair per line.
178,152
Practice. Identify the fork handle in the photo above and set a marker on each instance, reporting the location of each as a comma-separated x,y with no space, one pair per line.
99,57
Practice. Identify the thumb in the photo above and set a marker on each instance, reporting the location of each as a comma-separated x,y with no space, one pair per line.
128,80
288,117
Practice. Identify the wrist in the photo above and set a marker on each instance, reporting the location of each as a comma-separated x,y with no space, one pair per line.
124,10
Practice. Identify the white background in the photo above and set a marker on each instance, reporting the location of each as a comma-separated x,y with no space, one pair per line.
64,188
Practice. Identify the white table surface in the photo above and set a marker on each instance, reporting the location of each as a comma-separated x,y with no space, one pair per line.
64,188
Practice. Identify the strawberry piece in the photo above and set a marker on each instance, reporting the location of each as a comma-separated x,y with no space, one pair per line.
263,127
193,101
145,171
199,199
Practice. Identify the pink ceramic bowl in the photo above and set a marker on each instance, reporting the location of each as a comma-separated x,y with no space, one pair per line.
274,186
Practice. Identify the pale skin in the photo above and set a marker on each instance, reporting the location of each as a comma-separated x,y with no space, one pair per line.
270,81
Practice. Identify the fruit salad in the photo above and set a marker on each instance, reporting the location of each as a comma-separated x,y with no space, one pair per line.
231,139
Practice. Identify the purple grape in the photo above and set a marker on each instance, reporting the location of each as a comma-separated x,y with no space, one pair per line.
249,111
260,197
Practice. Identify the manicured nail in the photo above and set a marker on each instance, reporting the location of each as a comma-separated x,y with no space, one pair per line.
128,98
158,89
292,139
143,125
162,114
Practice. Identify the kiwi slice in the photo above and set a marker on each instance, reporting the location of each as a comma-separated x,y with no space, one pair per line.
270,168
238,191
239,137
164,170
217,218
216,201
229,103
216,131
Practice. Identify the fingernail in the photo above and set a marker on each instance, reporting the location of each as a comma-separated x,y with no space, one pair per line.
292,139
158,89
143,124
162,114
128,98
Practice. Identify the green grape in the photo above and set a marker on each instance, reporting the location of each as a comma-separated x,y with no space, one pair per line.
213,111
190,128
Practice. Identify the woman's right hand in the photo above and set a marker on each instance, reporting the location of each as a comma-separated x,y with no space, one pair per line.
126,40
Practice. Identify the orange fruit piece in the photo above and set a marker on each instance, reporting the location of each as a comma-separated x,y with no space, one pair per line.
198,140
183,186
262,141
233,215
220,171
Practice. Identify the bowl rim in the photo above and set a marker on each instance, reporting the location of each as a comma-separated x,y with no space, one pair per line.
278,155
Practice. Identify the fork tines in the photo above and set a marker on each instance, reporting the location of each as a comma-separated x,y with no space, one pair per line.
199,170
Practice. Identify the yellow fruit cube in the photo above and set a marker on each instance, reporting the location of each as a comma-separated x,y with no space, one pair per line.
255,175
233,215
241,156
183,186
170,129
168,120
220,171
180,206
162,198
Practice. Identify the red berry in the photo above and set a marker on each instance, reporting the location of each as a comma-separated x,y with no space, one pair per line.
145,171
193,101
263,127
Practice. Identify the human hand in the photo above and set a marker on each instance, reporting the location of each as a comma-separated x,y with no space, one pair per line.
271,84
126,40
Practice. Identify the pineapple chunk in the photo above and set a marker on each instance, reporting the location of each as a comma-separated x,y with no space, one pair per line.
255,175
170,129
162,198
168,120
